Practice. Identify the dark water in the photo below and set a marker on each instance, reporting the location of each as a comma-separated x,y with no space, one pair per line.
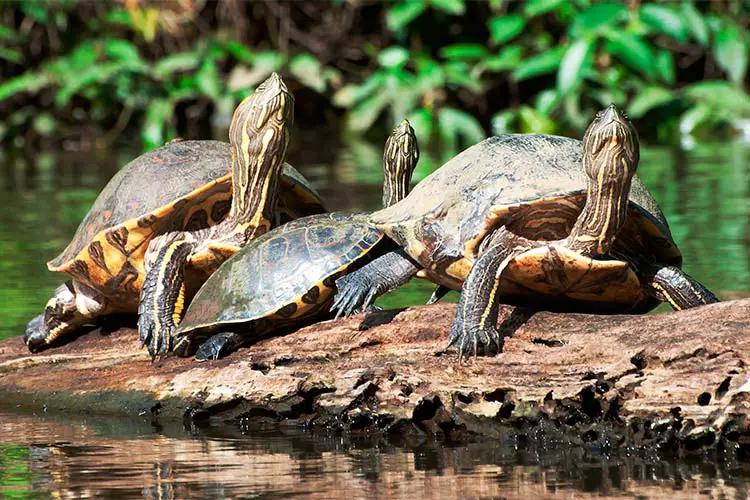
73,458
704,192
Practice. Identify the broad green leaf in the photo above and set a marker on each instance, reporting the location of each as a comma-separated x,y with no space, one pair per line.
453,123
694,118
575,62
208,80
631,50
11,55
421,122
598,16
463,51
720,94
367,112
647,99
695,22
121,50
80,80
400,15
546,101
9,34
182,61
533,122
455,7
239,51
430,75
664,19
505,28
665,66
538,7
393,57
307,69
30,82
730,51
508,58
157,115
349,95
542,64
119,16
459,73
82,56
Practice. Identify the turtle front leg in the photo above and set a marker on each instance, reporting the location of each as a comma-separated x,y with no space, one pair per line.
357,290
70,307
476,317
682,291
163,293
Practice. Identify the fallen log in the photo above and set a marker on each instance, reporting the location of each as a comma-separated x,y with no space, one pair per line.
674,381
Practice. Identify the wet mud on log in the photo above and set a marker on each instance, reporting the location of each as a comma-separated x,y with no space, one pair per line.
676,381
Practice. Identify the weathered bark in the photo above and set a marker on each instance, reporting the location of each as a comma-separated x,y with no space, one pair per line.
674,381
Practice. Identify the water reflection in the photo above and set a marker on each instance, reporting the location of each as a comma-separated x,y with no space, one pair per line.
74,458
705,193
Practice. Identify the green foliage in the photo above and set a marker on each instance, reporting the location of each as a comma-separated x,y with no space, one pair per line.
459,68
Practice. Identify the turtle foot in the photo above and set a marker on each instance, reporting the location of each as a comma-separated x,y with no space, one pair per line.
35,336
218,346
477,341
156,336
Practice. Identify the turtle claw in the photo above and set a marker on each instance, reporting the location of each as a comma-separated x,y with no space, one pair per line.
157,340
483,341
352,296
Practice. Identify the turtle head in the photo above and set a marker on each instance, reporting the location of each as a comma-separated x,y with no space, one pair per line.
259,135
399,161
610,159
270,105
610,147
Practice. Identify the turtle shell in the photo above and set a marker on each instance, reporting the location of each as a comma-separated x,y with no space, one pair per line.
182,185
535,186
284,275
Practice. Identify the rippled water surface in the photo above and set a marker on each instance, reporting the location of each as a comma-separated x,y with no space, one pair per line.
704,192
73,458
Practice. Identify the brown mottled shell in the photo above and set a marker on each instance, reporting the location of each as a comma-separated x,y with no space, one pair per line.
534,185
285,274
182,185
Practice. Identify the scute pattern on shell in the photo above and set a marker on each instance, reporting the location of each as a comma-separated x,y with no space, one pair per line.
177,186
290,265
449,210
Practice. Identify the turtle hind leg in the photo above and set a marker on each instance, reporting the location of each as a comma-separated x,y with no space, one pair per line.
357,290
163,293
219,346
674,286
70,307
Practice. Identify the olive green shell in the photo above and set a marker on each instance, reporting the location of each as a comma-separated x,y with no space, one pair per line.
517,180
188,175
285,274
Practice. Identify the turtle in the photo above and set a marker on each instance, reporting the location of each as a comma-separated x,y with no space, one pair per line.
184,184
285,278
533,220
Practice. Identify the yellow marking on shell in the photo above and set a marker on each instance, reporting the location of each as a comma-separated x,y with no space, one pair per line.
137,237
